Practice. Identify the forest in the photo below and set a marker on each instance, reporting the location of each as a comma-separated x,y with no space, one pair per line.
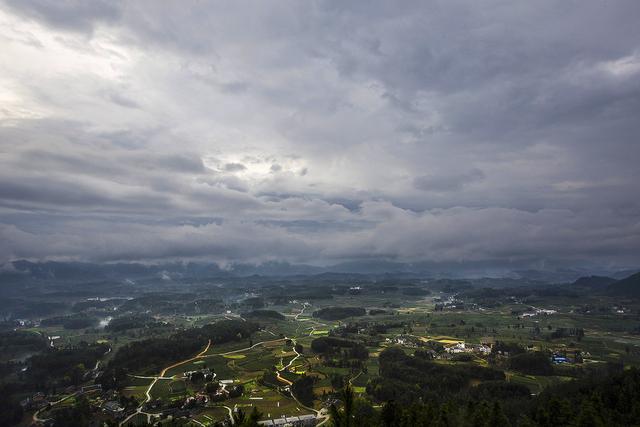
337,313
595,401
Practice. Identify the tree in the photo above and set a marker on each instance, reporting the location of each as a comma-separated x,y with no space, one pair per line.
302,389
534,363
343,418
242,420
78,415
525,421
443,419
589,417
337,381
390,413
236,391
498,418
10,411
363,413
197,377
478,414
212,387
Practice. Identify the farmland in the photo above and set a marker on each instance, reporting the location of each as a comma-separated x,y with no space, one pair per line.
295,355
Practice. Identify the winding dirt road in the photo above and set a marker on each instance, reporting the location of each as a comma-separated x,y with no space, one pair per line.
155,380
203,354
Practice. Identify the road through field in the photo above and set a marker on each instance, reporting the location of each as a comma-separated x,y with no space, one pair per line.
319,414
162,376
36,419
203,354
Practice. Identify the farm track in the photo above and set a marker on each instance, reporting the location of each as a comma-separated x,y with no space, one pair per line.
37,419
155,380
203,354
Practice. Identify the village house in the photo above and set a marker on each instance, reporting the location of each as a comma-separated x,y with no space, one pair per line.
291,421
113,409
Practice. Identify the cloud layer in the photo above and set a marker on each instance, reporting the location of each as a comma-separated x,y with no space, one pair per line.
481,131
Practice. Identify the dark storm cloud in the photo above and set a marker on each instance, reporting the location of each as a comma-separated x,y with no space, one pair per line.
75,15
487,132
181,163
447,182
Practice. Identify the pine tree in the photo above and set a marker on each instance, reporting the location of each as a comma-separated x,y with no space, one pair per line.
589,417
498,418
343,418
390,414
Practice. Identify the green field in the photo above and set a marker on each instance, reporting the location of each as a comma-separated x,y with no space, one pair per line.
409,324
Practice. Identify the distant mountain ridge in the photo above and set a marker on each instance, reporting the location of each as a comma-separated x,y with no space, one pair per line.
22,270
628,287
596,282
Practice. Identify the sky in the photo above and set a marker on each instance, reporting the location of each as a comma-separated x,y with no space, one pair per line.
496,132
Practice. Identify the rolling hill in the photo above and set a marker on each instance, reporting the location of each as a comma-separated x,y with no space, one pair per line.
628,287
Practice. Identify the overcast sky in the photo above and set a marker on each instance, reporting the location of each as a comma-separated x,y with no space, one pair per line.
318,132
